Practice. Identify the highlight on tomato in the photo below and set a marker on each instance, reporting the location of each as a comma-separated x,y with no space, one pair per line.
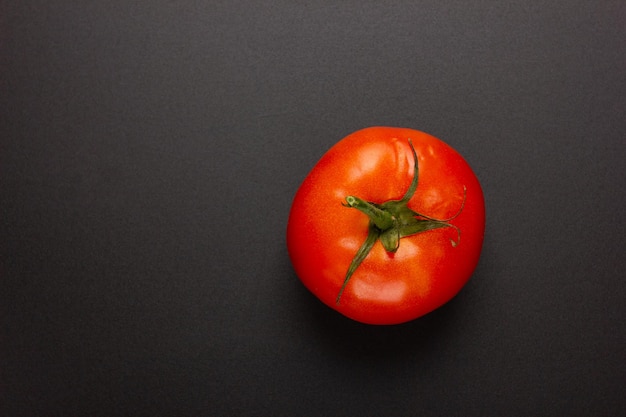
388,225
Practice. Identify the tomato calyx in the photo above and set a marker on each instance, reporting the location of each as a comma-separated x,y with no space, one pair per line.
393,220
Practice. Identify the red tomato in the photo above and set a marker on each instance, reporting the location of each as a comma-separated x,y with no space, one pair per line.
388,226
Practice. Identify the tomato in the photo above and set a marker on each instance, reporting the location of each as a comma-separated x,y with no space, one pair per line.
387,226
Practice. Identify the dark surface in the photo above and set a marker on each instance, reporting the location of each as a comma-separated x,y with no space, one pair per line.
149,154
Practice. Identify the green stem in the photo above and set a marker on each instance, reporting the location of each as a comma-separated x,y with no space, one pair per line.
411,191
381,218
361,254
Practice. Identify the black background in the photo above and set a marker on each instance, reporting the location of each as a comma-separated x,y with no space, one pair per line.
149,155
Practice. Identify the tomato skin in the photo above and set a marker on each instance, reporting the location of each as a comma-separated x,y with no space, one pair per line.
427,270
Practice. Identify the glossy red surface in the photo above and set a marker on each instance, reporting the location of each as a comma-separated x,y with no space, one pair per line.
376,164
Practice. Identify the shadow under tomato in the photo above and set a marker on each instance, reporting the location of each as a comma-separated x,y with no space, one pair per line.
342,337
